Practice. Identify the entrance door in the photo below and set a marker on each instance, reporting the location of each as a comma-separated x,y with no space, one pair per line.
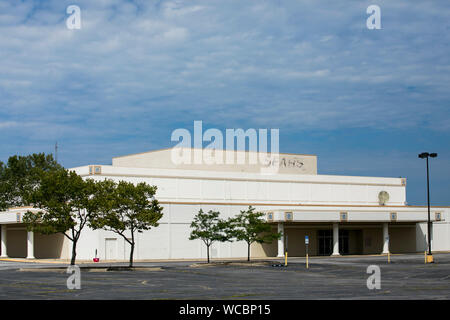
343,242
325,238
111,249
326,242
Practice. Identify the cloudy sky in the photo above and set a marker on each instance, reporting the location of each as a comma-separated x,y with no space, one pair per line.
365,101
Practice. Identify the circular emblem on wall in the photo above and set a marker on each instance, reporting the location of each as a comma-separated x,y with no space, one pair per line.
383,197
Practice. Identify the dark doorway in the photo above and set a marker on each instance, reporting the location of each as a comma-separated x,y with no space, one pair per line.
343,242
325,238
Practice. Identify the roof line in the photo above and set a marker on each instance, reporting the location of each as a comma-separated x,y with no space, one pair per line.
280,204
299,204
247,151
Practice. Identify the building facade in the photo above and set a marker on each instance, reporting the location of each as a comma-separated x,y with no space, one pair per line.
339,214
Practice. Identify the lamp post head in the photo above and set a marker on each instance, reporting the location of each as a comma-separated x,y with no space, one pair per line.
424,155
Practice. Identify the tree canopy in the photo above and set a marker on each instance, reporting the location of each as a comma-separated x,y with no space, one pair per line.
67,203
21,176
209,228
127,208
249,226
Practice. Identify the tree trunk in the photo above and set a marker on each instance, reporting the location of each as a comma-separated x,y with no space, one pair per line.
132,247
131,254
248,251
207,252
74,252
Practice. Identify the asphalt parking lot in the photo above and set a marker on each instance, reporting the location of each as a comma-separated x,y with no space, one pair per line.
406,277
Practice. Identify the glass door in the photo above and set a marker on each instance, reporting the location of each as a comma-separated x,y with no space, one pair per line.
325,238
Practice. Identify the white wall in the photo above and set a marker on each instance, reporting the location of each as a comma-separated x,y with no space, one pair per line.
190,185
163,159
440,235
170,240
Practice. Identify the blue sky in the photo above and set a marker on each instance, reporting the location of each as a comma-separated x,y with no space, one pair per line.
365,101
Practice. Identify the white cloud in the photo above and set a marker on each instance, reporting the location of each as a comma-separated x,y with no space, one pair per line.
8,124
282,64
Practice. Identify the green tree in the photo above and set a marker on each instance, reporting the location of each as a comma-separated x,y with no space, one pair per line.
249,226
127,208
21,176
209,228
68,203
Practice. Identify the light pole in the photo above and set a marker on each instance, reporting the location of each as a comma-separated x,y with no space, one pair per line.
426,155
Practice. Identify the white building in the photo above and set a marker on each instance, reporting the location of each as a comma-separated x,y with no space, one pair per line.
339,214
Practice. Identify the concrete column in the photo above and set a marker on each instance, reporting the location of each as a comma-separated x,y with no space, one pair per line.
385,238
4,249
30,245
335,239
281,240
